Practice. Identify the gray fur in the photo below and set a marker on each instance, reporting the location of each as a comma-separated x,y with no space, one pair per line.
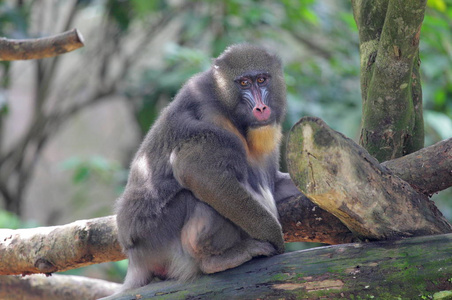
195,202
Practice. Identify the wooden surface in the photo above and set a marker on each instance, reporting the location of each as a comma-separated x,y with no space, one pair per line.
404,269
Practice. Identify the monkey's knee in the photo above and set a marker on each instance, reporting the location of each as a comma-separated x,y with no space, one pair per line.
207,233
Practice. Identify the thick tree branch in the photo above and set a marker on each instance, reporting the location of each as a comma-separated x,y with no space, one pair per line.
40,48
429,169
55,287
342,178
59,248
405,269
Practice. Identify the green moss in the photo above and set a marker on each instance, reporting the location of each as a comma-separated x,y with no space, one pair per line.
281,277
443,295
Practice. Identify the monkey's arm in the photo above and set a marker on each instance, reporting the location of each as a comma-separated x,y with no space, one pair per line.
214,174
284,187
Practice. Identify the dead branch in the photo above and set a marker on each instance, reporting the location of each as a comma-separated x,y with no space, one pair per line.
342,178
59,248
55,287
40,48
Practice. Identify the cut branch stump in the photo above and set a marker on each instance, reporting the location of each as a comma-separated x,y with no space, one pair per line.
343,179
40,48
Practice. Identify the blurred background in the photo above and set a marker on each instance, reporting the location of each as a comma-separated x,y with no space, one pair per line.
70,125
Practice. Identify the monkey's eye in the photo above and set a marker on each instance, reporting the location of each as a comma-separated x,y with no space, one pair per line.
244,83
261,80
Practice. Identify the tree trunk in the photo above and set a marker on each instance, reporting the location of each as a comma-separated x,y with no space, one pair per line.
406,269
389,31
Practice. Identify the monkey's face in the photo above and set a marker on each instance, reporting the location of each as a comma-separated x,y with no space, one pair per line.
250,82
254,98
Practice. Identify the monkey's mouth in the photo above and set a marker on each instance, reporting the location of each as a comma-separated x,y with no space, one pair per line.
257,123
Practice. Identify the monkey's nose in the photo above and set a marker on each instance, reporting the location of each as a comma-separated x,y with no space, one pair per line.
262,112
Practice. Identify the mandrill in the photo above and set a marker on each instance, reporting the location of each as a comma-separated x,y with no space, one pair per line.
202,188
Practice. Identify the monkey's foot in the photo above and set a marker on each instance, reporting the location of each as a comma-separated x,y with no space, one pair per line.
236,256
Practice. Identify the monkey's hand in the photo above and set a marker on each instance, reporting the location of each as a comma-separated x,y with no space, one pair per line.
216,173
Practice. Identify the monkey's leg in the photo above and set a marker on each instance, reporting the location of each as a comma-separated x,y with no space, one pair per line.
152,240
137,273
217,244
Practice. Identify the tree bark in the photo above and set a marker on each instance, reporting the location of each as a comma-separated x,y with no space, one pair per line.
343,179
404,269
304,221
40,48
56,287
59,248
389,32
429,170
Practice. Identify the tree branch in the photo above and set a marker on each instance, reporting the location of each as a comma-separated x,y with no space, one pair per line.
59,248
420,265
56,287
429,170
40,48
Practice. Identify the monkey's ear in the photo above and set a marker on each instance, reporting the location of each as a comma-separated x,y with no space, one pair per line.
219,64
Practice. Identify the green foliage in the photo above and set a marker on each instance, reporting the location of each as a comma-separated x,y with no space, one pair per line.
326,85
9,220
157,87
436,46
439,5
123,13
12,221
13,24
14,20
